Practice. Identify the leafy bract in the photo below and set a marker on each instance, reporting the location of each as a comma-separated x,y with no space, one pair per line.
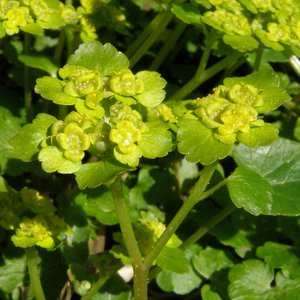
94,174
52,89
241,43
26,144
198,144
102,58
187,12
156,141
267,181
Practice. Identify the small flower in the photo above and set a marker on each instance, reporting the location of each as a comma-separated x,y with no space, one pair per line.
73,141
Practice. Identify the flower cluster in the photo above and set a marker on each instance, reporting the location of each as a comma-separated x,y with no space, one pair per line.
32,217
275,23
229,111
32,16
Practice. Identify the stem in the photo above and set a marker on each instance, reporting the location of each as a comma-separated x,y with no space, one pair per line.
160,26
195,82
209,225
34,275
168,46
27,81
60,46
140,281
192,200
103,277
258,58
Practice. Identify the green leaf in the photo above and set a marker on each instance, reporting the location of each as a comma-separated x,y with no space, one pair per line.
53,160
39,62
250,280
26,144
12,271
259,136
52,89
188,13
208,294
241,43
297,129
98,203
275,168
103,58
210,260
157,141
198,144
250,191
94,174
154,85
33,28
173,260
9,127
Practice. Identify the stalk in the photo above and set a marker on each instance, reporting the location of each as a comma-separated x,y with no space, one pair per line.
34,273
27,81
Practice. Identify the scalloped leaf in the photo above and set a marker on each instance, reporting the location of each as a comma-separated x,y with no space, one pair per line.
274,172
52,89
241,43
25,145
39,62
105,59
198,144
33,28
92,175
52,160
259,136
154,85
157,141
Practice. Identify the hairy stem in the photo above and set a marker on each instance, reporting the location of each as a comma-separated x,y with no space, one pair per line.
168,46
34,273
140,271
192,200
196,81
159,27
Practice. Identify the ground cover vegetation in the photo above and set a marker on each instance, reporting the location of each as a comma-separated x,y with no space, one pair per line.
149,149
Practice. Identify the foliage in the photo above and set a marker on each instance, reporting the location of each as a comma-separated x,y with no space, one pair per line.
109,147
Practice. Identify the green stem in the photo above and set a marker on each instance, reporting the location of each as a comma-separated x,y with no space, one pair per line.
27,81
195,82
144,35
160,26
168,46
209,225
60,46
258,58
140,281
103,278
192,200
34,275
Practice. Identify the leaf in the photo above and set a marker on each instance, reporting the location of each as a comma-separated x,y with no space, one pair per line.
250,280
241,43
297,129
208,294
39,62
92,175
52,89
188,13
98,203
154,85
25,145
103,58
9,127
173,260
259,136
211,260
274,168
12,271
198,144
157,141
53,160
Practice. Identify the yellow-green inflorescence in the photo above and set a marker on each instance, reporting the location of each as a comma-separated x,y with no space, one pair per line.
230,110
275,23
